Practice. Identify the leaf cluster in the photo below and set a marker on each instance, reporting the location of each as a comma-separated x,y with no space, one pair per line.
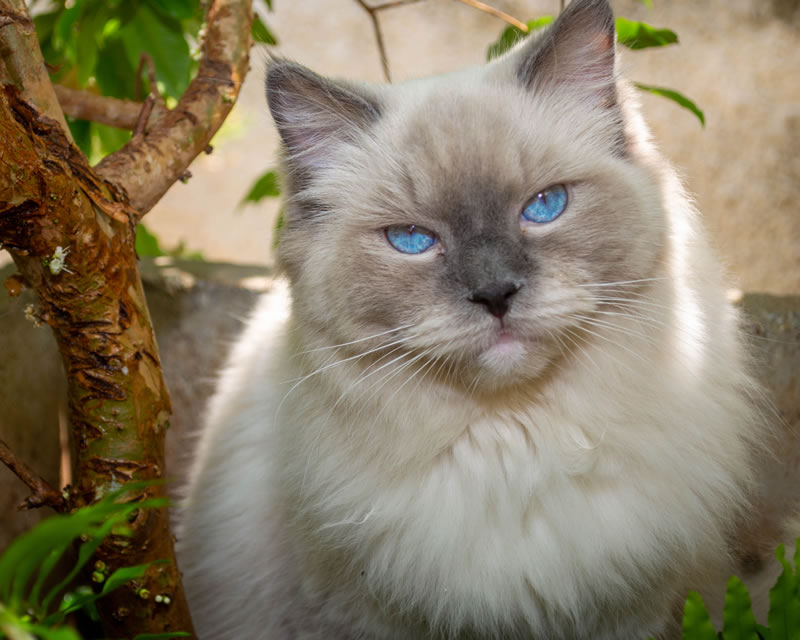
738,619
98,44
33,602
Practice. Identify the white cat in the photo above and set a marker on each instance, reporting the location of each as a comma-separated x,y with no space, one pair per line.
508,398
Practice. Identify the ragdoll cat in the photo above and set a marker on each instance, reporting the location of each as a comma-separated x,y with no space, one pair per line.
508,398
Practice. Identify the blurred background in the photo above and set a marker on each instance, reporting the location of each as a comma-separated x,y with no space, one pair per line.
739,60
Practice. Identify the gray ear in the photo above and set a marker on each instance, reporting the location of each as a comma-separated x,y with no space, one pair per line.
311,112
576,52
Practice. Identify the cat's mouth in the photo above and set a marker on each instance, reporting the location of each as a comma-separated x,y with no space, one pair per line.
504,353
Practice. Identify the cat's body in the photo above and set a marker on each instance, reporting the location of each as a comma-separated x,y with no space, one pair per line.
528,429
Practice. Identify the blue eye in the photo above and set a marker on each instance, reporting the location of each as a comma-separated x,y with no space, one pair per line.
547,205
410,238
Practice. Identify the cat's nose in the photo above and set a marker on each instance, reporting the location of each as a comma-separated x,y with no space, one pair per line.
496,297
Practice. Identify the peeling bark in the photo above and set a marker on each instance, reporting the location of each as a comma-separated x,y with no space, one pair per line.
118,403
24,65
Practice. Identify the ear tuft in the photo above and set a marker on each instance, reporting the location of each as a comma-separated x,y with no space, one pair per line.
312,112
576,52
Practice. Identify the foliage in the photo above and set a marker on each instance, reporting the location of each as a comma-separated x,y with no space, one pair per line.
32,604
739,623
98,44
632,34
149,246
265,186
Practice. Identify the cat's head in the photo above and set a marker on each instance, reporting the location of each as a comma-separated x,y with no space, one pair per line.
465,219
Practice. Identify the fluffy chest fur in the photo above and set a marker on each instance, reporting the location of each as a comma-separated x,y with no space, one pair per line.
544,508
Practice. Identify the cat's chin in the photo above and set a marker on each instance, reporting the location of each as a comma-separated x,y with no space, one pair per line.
507,359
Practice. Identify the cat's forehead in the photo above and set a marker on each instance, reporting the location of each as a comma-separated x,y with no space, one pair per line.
461,136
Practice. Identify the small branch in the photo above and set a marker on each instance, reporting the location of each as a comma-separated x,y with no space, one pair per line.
146,58
563,4
144,115
373,16
394,4
123,114
497,14
374,11
43,491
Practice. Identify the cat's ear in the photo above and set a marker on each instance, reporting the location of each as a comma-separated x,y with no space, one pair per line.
312,112
576,53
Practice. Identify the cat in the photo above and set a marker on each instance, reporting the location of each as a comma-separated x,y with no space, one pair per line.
503,394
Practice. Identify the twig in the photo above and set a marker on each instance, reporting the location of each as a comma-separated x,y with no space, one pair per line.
145,58
373,15
43,491
498,14
123,114
374,11
563,4
144,115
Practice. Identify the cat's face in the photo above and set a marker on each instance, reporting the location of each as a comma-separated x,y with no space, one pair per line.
466,220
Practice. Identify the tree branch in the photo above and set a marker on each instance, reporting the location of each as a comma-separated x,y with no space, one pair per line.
24,64
497,14
148,165
93,300
373,12
43,491
123,114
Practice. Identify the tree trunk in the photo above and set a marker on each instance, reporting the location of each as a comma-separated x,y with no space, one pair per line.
71,232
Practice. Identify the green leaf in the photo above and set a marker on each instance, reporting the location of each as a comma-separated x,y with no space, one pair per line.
280,223
647,3
673,95
267,186
640,35
696,621
738,618
162,37
261,32
64,36
179,9
123,575
147,244
784,599
115,73
511,35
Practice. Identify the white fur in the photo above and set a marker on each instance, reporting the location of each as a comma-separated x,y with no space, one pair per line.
574,487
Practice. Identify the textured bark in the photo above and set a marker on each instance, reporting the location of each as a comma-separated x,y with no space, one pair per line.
24,66
118,403
148,165
71,232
